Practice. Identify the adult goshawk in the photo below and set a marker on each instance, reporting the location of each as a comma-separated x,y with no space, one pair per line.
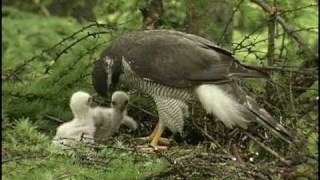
174,68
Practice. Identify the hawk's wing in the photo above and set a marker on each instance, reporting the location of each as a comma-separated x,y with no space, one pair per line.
177,59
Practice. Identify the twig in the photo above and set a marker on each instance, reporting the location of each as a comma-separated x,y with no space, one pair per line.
72,36
240,46
271,47
209,137
69,175
306,71
161,174
24,157
258,175
282,159
143,110
77,60
65,50
29,96
229,22
298,8
20,67
54,118
174,164
288,28
236,153
291,93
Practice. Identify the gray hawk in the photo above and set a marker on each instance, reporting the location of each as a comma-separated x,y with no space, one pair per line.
175,68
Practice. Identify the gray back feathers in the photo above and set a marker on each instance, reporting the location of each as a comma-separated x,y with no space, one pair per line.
172,66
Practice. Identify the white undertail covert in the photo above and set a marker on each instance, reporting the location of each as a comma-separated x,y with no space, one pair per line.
218,102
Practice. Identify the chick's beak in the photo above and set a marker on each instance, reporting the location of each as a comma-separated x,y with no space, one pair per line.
92,102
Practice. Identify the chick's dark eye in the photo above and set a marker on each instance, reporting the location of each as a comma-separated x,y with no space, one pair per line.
90,100
113,103
126,102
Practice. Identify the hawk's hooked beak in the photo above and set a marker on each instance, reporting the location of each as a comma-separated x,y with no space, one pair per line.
105,76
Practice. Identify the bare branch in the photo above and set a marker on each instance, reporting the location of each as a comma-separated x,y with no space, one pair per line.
229,22
271,48
288,28
37,156
65,50
306,71
240,46
298,8
282,159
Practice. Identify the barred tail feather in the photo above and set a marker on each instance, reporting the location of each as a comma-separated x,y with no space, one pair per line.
241,111
216,101
266,120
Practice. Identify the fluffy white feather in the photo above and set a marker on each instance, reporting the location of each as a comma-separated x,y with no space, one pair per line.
82,124
221,104
109,120
71,132
94,123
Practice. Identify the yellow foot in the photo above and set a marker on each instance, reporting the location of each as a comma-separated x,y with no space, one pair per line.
163,141
156,139
152,149
144,139
158,148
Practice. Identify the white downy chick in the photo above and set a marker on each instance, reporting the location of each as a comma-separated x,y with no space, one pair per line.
109,120
82,126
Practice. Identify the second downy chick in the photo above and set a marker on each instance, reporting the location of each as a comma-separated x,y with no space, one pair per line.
108,120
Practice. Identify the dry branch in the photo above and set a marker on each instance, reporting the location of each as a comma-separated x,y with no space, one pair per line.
281,158
229,22
288,28
17,158
306,71
65,50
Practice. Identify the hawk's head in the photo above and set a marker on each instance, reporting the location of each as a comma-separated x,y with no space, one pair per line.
105,75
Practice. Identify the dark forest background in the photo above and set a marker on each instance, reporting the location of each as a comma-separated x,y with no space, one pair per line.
48,47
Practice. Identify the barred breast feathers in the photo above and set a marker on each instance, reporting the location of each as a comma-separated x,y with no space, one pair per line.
151,87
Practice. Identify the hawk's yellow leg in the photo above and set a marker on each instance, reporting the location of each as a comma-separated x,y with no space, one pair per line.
160,140
156,139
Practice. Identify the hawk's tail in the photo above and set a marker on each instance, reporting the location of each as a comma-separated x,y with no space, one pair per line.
220,101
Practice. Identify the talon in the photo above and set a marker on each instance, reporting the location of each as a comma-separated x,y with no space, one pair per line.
152,148
163,141
156,139
143,139
158,148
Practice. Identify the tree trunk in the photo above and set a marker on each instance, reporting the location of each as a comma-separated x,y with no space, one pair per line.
209,19
152,14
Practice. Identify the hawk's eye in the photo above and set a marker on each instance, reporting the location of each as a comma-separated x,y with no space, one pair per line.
113,103
126,102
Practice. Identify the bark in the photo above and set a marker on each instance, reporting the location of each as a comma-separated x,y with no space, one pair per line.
289,29
271,49
209,21
152,14
297,80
